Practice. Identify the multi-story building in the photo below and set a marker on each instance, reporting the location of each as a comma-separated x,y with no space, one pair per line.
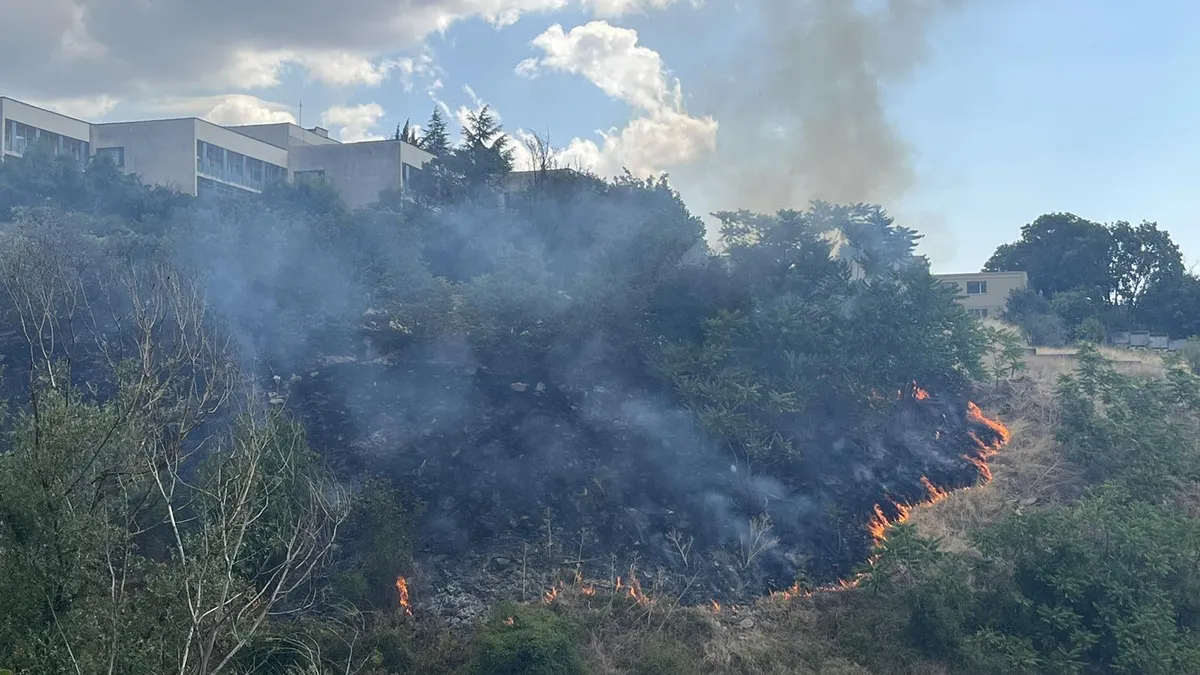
197,157
985,294
22,125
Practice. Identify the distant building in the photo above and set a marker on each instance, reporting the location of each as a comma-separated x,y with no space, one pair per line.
198,157
985,294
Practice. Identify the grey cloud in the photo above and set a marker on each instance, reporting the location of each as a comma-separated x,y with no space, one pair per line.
55,48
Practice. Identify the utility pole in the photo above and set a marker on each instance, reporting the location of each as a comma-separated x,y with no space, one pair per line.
300,114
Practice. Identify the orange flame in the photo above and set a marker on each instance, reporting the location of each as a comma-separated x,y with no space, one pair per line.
716,607
402,591
509,621
794,591
588,590
635,591
550,595
879,523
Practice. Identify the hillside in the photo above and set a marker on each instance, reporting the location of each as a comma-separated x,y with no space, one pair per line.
556,433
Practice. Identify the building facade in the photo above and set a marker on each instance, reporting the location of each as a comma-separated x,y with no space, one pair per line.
197,157
985,294
23,125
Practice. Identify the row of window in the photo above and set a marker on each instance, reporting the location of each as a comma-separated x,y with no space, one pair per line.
19,137
233,167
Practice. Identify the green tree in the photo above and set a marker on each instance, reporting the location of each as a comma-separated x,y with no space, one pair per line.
1171,305
407,134
1143,257
1060,252
436,140
485,151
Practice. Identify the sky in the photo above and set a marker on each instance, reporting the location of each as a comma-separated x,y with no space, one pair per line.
964,118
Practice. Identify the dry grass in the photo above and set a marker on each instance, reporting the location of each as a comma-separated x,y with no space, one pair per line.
1031,469
813,635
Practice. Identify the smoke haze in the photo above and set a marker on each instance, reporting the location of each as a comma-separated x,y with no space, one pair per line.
801,101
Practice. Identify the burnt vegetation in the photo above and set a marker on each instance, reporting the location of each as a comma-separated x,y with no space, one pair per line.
484,430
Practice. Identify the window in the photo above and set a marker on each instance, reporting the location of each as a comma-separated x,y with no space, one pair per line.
19,137
979,313
274,174
233,167
976,288
254,168
116,154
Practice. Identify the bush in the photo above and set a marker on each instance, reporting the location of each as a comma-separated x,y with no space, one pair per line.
1191,354
1091,329
1043,330
524,640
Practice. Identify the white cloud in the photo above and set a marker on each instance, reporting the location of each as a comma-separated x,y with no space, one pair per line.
610,9
139,49
228,110
611,58
354,123
91,109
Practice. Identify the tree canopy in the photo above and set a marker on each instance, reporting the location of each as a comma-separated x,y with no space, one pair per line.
1094,277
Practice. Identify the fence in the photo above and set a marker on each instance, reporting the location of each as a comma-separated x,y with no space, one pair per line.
1144,339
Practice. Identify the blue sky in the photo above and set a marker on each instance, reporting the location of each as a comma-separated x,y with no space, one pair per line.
1018,108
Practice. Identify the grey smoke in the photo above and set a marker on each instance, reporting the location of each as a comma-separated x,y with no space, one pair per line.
801,102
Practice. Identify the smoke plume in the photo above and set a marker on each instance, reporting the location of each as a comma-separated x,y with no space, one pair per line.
801,102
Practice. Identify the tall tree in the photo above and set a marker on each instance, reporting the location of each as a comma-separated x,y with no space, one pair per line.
407,133
1142,256
485,147
435,140
1171,305
1060,252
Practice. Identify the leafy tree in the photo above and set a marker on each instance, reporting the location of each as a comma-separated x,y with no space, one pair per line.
1171,305
1143,257
1060,252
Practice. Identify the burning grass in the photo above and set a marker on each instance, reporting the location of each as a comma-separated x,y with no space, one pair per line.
1031,469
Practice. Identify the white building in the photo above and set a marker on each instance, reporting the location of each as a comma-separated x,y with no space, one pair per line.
197,157
22,125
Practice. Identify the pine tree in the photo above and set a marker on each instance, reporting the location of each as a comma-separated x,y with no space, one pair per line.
408,134
486,144
435,140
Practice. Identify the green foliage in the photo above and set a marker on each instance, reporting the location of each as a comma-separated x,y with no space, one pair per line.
1096,278
1060,252
1007,353
1107,583
1126,430
1191,354
382,527
754,372
535,642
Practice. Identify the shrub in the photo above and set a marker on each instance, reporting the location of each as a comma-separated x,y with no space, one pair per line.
524,640
1191,354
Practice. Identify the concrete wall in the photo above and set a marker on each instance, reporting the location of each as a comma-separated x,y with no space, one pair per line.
42,119
998,287
358,171
161,152
284,134
240,143
414,156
